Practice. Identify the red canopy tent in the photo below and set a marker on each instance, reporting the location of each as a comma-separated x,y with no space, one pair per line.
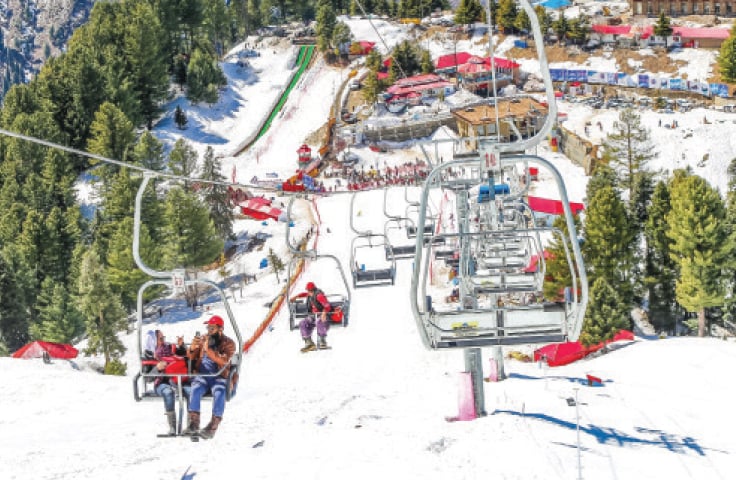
260,209
552,207
55,350
558,354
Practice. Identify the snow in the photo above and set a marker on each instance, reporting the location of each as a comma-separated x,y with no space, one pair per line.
375,405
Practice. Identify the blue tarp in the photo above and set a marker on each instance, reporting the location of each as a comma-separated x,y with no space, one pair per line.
554,3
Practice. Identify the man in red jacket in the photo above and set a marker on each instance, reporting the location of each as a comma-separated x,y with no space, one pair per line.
319,306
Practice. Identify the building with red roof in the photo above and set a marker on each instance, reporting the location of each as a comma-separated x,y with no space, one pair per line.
475,74
447,64
705,37
420,86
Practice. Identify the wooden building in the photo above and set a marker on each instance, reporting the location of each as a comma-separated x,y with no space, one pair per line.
526,114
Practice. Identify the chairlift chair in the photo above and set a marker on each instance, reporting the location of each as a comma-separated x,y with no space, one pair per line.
487,314
143,380
340,302
362,245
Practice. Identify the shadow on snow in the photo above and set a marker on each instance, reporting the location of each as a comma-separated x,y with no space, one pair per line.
612,436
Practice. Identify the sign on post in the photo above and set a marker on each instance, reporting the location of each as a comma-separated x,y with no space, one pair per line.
177,279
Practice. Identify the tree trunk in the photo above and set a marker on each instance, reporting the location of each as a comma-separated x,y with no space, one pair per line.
103,342
701,322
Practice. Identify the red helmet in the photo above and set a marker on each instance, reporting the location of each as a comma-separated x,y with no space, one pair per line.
310,286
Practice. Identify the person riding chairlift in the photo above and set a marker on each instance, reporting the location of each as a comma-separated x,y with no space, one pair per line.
318,306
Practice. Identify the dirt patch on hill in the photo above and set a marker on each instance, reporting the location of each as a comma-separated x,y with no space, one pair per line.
659,62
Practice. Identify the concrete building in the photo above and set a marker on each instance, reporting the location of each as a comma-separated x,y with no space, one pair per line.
677,8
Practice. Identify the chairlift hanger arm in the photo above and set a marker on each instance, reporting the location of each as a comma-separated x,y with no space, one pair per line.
352,216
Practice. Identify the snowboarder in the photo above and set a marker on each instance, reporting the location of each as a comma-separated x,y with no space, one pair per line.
209,355
318,305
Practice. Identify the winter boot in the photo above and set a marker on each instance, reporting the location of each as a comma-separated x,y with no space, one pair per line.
193,427
171,417
211,428
322,343
308,345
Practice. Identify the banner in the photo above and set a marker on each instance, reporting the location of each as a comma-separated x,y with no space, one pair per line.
308,182
719,89
596,77
557,74
577,75
659,82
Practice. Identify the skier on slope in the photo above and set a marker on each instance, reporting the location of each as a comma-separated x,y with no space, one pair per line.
319,306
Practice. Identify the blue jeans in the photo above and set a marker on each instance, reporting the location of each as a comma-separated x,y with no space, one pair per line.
168,392
202,385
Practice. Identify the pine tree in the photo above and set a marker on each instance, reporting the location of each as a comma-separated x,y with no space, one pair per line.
192,238
659,269
628,150
699,244
607,313
603,176
341,36
579,29
608,249
183,159
216,196
545,20
112,135
561,27
118,204
663,28
727,58
204,77
146,58
522,22
506,15
426,64
122,272
180,118
277,265
149,152
14,310
103,315
58,318
467,12
558,274
730,267
326,21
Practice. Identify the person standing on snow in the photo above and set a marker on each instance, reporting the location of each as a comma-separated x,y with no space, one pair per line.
318,306
209,355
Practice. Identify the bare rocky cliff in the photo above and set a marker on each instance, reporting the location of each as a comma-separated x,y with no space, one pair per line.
31,31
